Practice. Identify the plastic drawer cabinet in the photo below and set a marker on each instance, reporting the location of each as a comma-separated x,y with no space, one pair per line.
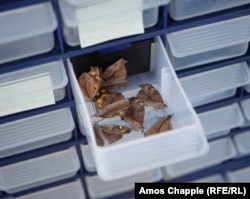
27,31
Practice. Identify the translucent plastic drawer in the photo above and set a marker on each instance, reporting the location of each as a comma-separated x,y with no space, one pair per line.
72,190
180,9
125,157
26,31
39,171
150,11
98,188
209,43
35,132
242,142
55,69
239,175
220,121
220,151
216,84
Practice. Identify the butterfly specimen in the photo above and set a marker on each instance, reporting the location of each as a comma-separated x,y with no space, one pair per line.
111,133
161,125
135,113
151,97
114,76
90,82
105,97
110,104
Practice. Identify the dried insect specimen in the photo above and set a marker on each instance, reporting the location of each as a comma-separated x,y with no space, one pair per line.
90,82
115,75
117,108
151,96
135,113
112,133
105,97
161,125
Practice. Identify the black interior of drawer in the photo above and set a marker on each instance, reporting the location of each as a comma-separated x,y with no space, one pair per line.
137,54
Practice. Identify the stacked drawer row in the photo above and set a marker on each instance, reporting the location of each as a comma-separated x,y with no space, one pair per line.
215,93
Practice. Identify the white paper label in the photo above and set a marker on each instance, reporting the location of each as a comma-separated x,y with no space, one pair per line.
109,20
25,94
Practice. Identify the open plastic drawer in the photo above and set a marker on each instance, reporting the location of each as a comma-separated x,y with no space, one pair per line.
126,157
239,175
72,190
217,84
220,150
209,43
39,171
150,11
220,121
26,31
217,178
180,10
242,143
55,69
35,132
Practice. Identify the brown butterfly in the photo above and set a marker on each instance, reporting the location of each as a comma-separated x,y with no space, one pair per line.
151,97
110,104
111,133
90,82
161,125
135,113
114,76
105,97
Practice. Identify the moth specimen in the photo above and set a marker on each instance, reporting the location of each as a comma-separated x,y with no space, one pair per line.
90,82
151,96
135,113
111,133
161,125
114,76
110,104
